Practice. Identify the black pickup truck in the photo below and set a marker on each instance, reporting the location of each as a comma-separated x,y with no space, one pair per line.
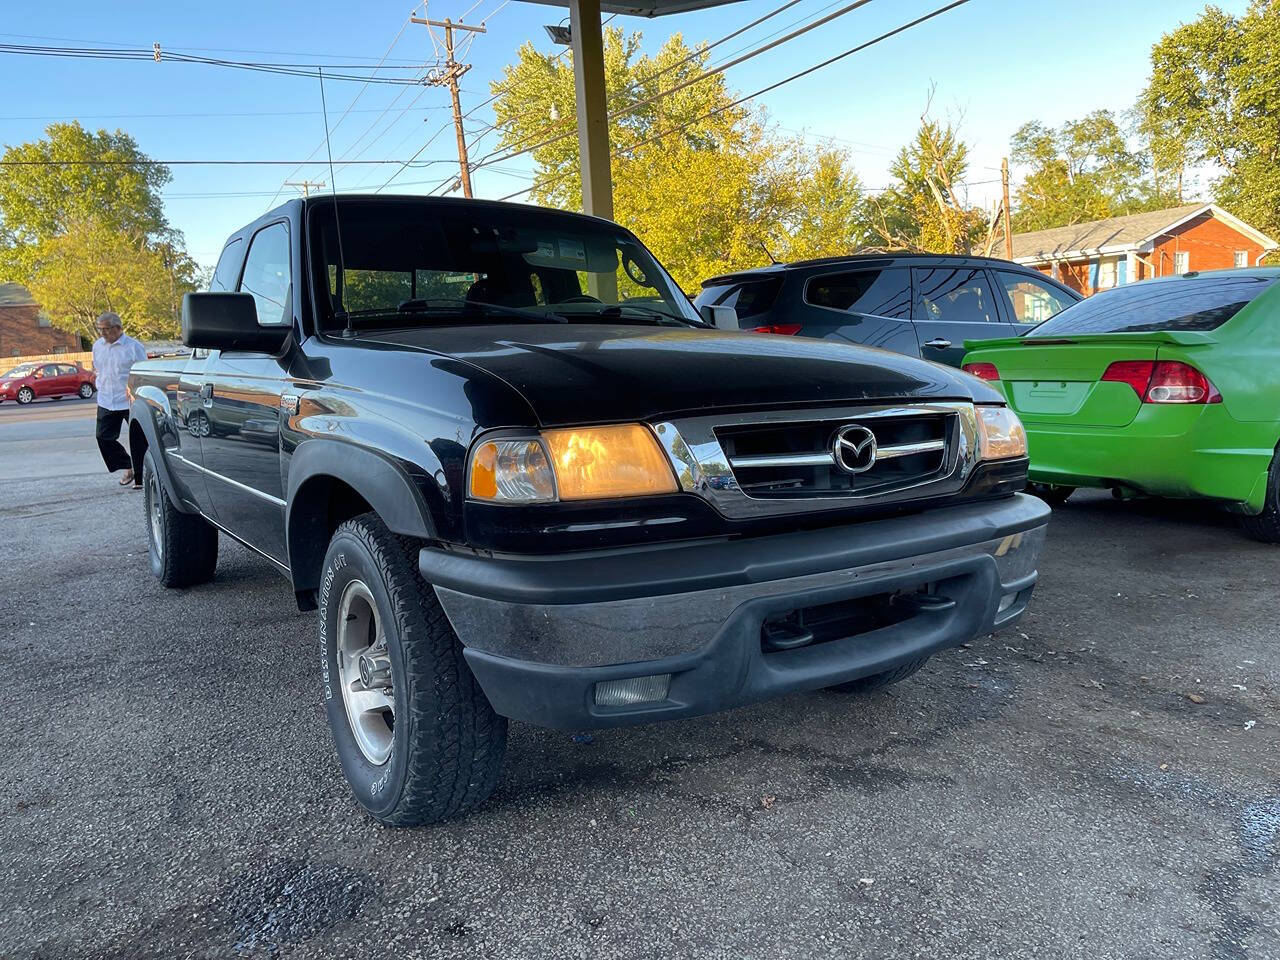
519,476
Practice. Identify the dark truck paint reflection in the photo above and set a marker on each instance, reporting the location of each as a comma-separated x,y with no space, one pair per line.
518,476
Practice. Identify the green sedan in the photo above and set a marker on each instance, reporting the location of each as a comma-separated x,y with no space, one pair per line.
1169,387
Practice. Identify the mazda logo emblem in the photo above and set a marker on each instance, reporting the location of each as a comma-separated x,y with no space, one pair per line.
854,448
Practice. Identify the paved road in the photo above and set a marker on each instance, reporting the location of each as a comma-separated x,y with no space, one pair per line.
170,791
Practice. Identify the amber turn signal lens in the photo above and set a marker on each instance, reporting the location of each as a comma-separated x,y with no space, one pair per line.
511,471
1001,432
618,461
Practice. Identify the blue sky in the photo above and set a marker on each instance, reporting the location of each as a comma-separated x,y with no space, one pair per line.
995,63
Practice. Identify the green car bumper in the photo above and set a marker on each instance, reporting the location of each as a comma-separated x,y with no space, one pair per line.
1167,451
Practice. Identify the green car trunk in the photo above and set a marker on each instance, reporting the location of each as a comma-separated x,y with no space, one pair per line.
1083,431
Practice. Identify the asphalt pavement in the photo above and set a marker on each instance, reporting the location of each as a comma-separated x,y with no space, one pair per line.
1101,781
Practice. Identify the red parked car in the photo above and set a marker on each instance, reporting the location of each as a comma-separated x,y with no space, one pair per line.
27,381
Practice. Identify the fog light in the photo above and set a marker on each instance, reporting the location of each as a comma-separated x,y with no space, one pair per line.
1006,602
622,693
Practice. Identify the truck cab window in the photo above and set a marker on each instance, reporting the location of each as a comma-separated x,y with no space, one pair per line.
267,274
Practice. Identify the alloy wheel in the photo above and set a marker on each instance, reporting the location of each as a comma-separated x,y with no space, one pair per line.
364,672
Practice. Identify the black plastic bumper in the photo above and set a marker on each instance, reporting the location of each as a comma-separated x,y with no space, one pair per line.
540,634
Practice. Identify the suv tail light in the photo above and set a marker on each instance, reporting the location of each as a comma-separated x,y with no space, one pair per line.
784,329
1163,381
983,371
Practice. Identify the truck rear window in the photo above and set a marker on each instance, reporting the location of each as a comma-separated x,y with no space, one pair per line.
1193,303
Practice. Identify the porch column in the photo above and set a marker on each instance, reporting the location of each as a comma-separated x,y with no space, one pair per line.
593,125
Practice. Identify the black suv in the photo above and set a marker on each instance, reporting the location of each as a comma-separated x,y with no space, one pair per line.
923,305
498,452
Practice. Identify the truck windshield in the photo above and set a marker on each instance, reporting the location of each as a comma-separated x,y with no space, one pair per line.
1194,303
419,263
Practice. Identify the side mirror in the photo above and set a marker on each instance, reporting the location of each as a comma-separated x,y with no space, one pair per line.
228,321
722,318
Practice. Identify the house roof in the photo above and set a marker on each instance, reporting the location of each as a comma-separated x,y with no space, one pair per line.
1118,234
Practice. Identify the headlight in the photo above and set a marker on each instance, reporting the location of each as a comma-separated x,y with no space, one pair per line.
581,463
595,462
1001,433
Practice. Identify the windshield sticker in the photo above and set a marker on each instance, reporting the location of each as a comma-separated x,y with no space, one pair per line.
573,250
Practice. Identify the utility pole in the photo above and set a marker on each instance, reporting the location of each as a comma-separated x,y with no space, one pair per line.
1004,181
449,78
305,185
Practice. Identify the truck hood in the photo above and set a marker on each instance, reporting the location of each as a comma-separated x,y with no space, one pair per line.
576,373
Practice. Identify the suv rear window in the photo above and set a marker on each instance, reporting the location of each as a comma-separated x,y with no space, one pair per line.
1204,303
884,293
750,298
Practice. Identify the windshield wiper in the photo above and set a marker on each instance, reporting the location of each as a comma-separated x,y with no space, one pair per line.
445,306
657,314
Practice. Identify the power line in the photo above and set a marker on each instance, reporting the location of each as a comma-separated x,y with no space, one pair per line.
159,56
181,163
174,116
766,89
523,146
354,100
183,46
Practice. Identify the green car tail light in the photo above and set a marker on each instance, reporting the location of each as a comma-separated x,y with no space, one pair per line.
982,370
1163,381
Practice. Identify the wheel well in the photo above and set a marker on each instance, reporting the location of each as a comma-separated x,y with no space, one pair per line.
319,507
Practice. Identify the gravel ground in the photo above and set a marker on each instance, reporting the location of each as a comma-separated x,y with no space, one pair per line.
1103,780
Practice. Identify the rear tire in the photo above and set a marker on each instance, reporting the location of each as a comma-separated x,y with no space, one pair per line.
1266,525
85,391
878,680
415,734
1051,493
183,547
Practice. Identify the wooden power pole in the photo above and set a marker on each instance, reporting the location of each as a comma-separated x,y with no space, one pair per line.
449,77
304,185
1004,182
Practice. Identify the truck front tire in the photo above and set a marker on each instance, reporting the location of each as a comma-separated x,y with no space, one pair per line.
183,547
415,734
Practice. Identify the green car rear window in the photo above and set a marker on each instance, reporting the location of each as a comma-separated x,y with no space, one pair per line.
1200,303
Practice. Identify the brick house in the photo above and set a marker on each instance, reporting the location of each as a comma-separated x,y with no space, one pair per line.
26,331
1105,253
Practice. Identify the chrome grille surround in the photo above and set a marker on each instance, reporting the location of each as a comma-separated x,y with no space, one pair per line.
703,468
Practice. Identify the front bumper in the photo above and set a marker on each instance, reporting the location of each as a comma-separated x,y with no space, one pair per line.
541,633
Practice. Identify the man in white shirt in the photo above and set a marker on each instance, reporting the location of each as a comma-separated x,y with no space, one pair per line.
113,354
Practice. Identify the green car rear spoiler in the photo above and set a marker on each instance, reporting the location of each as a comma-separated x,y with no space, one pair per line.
1184,338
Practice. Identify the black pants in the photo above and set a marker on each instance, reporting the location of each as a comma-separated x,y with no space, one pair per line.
114,455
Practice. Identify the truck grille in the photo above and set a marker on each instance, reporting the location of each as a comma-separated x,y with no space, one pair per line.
839,457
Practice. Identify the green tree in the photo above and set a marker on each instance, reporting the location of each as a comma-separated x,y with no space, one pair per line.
708,186
89,268
926,209
69,204
1084,170
73,176
1213,98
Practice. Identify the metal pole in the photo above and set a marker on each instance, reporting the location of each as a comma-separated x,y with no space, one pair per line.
1004,180
593,128
593,114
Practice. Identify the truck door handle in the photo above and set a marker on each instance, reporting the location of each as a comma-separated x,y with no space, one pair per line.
206,394
938,343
